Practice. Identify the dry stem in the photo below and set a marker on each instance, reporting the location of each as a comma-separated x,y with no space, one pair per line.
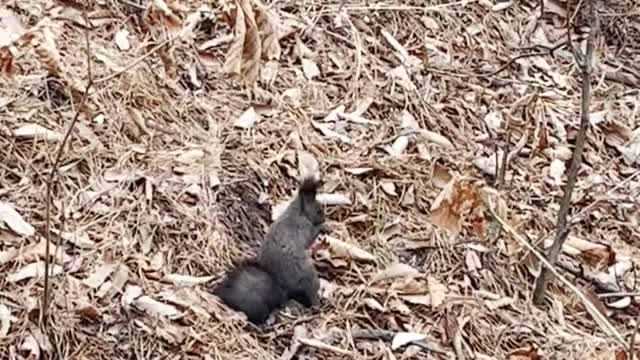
600,318
56,164
561,227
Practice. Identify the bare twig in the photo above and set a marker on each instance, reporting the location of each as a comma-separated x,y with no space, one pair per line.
602,321
570,20
502,173
54,169
577,217
138,60
550,51
561,226
632,341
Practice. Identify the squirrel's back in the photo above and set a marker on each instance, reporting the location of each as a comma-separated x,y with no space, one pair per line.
284,250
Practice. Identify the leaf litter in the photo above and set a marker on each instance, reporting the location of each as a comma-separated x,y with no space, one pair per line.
170,194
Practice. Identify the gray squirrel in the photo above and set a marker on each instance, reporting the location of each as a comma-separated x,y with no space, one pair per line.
282,270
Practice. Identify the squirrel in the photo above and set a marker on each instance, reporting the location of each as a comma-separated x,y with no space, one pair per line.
282,270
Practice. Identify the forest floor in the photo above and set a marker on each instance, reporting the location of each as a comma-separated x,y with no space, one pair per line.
187,143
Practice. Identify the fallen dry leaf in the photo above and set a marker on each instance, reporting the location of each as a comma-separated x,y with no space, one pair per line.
15,222
358,119
417,299
164,13
243,56
268,24
187,157
156,308
343,250
401,53
487,164
31,346
37,251
435,138
5,320
120,278
493,120
438,292
335,114
408,121
11,28
399,146
247,119
461,199
8,255
8,66
403,338
310,69
323,346
397,305
188,280
389,188
472,260
326,131
373,304
394,271
358,171
401,75
556,171
89,313
131,293
34,270
631,152
623,303
409,197
333,199
122,40
409,285
100,275
595,254
440,176
496,304
79,239
502,6
525,354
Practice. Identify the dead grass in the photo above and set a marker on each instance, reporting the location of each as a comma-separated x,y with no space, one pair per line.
140,178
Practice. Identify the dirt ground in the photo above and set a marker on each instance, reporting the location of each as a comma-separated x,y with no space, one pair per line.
187,142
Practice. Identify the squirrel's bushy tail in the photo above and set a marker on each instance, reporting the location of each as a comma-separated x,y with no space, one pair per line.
251,289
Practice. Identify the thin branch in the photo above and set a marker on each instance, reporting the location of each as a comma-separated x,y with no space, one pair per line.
550,51
576,55
565,204
54,169
502,173
577,217
601,320
138,60
632,341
